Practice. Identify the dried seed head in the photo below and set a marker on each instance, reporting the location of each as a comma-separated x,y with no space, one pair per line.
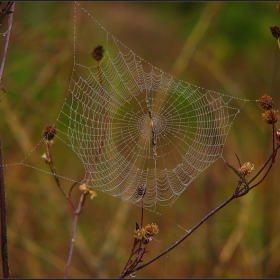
246,168
139,233
266,102
49,132
275,31
270,116
86,190
97,53
146,234
278,7
151,229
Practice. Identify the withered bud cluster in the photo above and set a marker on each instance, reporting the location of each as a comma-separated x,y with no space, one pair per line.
146,234
86,190
246,168
266,104
275,31
49,132
97,53
270,116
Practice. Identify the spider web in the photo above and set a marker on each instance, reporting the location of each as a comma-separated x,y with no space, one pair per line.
141,134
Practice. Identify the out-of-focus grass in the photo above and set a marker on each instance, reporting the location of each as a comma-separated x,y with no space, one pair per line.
237,55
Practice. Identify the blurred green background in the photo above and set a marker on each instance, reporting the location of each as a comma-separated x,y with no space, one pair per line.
223,46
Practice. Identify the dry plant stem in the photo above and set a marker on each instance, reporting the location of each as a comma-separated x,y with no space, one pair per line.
273,137
4,240
77,210
142,213
235,195
51,165
131,264
10,21
77,213
181,239
272,158
83,196
5,11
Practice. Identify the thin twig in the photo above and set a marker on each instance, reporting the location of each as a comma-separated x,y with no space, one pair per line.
5,11
263,167
181,239
49,160
236,194
77,213
269,168
4,240
10,21
83,196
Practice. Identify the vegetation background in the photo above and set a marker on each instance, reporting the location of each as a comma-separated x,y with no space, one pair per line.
236,55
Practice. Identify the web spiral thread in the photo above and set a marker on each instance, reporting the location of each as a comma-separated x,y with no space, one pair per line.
135,127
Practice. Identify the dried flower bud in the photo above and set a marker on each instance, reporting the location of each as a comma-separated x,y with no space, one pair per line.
151,229
140,233
275,31
266,102
86,190
46,158
246,168
49,132
270,116
97,53
146,234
